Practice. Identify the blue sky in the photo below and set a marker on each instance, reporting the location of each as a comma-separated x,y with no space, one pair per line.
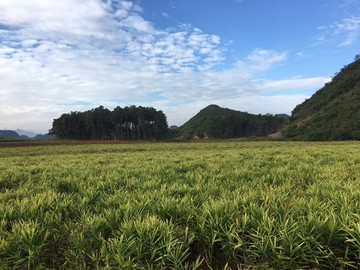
178,56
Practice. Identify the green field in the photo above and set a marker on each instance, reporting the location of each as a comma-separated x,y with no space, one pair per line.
210,205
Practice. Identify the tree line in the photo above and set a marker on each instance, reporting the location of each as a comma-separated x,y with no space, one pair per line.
128,123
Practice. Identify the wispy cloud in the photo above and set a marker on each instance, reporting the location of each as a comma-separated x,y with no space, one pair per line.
350,4
345,32
58,56
349,28
166,15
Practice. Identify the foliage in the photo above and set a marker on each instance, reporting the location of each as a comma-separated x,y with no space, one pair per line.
216,122
332,113
129,123
209,205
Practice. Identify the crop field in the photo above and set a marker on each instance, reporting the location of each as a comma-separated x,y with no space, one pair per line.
206,205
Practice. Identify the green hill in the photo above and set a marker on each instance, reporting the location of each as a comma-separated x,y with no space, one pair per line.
333,112
6,134
216,122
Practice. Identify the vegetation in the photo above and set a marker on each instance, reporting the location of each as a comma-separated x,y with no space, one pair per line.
133,123
209,205
333,112
129,123
216,122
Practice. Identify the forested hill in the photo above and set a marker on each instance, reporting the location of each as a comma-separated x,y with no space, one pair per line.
216,122
333,112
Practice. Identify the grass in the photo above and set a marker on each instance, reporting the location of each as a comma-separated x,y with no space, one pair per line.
214,205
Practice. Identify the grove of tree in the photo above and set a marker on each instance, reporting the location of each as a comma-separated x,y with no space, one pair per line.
129,123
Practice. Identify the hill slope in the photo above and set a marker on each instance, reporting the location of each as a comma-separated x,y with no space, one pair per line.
8,134
332,113
216,122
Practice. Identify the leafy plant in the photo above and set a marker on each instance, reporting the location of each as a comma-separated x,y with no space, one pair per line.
209,205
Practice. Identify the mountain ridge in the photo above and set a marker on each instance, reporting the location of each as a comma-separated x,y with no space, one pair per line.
19,133
27,133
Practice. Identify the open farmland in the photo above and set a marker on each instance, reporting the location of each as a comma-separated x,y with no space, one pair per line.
210,205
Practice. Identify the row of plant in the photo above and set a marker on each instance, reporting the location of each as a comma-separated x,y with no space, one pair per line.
212,205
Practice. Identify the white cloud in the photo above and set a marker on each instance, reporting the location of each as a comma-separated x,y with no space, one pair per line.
263,59
61,56
41,16
135,22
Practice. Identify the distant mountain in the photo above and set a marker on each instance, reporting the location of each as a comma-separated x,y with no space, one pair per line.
29,134
283,115
333,112
8,134
216,122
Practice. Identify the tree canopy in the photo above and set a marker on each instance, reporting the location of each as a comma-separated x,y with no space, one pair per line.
129,123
